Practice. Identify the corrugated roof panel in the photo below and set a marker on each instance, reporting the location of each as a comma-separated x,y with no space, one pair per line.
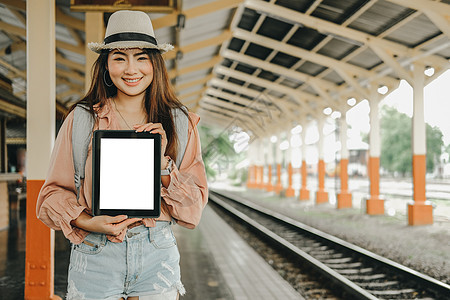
366,59
310,90
236,44
334,77
276,94
256,87
291,83
258,51
245,68
337,11
337,48
285,60
274,28
268,75
248,19
443,43
311,68
235,81
298,5
306,38
380,17
415,32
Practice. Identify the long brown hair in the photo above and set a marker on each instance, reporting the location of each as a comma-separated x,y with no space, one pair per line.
159,97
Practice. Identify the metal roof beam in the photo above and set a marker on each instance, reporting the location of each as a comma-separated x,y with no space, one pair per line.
240,100
254,122
270,67
296,94
326,27
313,57
285,106
211,108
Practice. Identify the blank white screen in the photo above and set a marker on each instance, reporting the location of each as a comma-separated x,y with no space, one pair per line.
126,174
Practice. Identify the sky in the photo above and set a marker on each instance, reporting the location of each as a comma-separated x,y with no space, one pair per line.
436,102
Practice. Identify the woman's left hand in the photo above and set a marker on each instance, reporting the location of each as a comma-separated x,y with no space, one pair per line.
155,128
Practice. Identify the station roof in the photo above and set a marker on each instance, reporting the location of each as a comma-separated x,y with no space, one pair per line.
260,66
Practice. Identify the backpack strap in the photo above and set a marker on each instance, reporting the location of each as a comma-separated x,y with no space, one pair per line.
83,125
181,122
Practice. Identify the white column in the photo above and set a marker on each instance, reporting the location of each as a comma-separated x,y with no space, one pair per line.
343,136
278,157
303,136
418,119
40,86
320,125
374,135
289,149
94,28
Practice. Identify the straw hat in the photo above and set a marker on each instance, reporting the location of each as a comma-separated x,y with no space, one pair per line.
129,29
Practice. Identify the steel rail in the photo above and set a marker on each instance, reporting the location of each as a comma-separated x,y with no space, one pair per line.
418,277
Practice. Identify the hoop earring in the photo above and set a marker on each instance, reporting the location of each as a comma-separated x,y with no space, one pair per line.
105,81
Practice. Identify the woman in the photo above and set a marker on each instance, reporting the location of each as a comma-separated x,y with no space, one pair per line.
117,257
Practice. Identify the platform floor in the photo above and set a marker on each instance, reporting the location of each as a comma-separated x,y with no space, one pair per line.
216,263
246,273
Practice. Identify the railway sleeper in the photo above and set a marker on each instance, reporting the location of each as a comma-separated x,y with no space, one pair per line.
392,292
365,277
354,271
376,284
345,266
337,260
325,257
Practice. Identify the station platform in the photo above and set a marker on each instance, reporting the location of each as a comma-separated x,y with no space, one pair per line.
216,263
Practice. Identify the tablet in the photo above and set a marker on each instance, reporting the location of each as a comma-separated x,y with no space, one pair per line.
126,173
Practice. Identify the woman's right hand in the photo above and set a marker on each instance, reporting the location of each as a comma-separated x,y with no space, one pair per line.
103,224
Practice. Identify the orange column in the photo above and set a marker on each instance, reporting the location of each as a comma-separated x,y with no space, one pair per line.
321,194
344,198
39,250
374,205
290,191
304,192
260,183
278,187
419,213
251,177
269,186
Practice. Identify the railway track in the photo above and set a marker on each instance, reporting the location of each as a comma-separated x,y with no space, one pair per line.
355,272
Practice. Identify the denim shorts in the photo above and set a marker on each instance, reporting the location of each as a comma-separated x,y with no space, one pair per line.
145,263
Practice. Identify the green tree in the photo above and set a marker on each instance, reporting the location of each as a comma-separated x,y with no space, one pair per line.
396,148
217,150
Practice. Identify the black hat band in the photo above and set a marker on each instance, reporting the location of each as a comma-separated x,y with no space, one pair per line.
130,36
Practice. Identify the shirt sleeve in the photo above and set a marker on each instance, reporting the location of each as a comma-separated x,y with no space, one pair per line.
187,193
57,203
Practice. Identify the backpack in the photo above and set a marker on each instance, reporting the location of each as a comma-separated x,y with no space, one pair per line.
83,123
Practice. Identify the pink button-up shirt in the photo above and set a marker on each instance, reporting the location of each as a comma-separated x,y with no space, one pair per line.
183,200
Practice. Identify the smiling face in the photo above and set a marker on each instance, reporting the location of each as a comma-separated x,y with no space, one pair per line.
130,70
